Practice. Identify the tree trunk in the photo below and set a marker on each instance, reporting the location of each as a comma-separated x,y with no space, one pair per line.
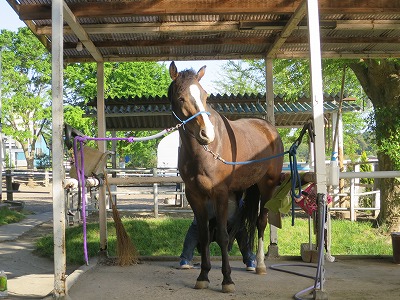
390,197
380,81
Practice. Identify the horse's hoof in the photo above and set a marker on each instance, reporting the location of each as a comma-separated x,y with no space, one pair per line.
228,288
261,271
201,285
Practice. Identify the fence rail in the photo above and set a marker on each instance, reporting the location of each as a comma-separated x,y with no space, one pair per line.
123,178
169,176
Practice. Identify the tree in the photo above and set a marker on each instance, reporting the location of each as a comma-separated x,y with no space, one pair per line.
26,89
380,79
121,80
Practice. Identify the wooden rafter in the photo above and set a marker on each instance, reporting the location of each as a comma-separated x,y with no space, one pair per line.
288,29
81,34
168,7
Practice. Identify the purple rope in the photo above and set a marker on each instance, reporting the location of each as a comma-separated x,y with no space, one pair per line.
80,171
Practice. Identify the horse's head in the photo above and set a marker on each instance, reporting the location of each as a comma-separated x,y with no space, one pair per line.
188,98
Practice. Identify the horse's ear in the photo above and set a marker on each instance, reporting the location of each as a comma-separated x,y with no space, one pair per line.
201,72
173,71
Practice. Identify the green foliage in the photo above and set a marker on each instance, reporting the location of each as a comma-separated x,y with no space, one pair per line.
139,154
73,115
122,80
165,236
389,132
43,161
26,79
10,216
127,79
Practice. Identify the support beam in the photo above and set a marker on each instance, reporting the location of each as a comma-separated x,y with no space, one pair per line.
101,123
318,117
58,152
270,90
80,33
288,29
273,250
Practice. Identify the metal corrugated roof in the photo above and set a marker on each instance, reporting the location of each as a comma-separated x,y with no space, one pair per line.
149,113
121,30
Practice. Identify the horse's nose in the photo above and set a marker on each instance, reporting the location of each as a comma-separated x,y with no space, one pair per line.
207,134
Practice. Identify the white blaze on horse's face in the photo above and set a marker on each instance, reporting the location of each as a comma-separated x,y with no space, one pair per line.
207,133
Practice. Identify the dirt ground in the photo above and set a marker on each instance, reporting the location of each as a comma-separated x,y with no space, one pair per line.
345,279
159,277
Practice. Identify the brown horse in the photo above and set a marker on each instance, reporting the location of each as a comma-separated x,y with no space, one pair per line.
207,178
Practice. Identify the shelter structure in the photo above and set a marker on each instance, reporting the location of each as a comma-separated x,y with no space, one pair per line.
120,30
154,113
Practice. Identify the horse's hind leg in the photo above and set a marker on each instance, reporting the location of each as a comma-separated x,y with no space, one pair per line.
261,225
266,191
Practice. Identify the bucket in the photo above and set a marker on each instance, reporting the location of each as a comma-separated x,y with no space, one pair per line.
396,247
94,162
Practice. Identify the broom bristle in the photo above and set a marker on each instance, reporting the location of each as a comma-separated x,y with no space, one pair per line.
126,251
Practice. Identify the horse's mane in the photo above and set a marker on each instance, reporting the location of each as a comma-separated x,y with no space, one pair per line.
185,77
187,74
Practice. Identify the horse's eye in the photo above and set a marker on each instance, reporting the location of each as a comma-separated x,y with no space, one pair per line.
180,99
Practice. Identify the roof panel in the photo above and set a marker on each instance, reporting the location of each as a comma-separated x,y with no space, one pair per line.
216,29
155,112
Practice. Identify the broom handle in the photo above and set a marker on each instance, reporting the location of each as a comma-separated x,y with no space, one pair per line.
108,189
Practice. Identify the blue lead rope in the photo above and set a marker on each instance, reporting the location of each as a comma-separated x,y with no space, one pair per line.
295,177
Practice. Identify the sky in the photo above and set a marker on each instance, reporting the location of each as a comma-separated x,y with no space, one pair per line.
9,20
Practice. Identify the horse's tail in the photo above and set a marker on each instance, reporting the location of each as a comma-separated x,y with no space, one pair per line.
246,215
250,212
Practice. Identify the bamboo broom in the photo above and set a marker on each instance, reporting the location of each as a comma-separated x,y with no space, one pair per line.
126,250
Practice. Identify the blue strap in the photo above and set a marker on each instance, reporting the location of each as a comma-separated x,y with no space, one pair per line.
190,118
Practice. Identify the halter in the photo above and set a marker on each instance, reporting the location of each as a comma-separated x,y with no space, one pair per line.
183,122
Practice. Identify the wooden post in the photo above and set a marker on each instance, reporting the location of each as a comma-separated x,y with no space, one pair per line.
273,250
46,178
155,194
57,149
101,120
9,187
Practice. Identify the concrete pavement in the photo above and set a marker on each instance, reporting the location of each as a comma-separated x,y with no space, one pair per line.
29,276
13,231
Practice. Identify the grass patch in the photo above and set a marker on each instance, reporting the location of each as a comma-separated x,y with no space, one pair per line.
164,236
8,216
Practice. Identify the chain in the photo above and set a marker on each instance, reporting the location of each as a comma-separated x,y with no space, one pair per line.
215,155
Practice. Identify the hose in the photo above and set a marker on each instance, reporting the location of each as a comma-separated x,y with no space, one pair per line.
319,277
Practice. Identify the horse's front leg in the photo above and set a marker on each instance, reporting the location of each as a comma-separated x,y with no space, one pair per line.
204,244
261,225
228,285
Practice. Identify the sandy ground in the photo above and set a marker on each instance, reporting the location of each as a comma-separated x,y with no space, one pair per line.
159,278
